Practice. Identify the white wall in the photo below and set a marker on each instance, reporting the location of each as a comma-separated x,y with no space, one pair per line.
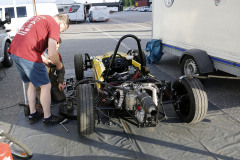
11,2
83,1
199,24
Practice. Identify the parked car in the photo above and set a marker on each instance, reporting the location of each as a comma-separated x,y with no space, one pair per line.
144,9
136,9
5,41
128,9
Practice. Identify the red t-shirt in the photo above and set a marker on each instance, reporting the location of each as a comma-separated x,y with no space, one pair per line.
32,39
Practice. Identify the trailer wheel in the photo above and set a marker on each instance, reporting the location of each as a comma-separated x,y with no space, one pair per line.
85,109
189,66
8,61
192,102
79,67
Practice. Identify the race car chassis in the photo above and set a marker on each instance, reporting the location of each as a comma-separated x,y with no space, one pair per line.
123,87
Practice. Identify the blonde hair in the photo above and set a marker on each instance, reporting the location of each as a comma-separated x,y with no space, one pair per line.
64,18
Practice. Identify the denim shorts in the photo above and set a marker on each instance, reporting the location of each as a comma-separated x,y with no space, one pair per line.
31,71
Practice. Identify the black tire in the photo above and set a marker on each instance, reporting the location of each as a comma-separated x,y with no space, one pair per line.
18,149
138,58
189,66
79,68
193,101
8,61
26,110
85,109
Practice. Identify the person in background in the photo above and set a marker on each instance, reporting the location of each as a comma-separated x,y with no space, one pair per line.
56,77
35,36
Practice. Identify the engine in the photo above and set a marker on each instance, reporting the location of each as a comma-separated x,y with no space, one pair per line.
140,98
136,95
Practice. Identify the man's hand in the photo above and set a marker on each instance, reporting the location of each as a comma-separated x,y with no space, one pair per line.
61,86
59,66
46,61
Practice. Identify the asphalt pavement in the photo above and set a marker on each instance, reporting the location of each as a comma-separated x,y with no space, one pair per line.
99,38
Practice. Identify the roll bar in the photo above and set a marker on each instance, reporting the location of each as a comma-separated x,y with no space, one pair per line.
117,47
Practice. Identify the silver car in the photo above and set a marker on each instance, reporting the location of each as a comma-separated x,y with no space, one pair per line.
5,41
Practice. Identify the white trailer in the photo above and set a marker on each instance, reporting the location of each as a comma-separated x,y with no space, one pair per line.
205,34
99,13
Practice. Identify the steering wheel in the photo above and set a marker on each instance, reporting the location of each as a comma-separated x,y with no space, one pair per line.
116,65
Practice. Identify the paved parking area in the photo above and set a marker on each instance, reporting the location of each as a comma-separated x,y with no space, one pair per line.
99,38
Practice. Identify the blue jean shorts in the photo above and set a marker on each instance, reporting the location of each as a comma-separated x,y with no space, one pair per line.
31,71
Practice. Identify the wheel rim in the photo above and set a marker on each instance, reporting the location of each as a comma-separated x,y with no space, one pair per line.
190,67
9,57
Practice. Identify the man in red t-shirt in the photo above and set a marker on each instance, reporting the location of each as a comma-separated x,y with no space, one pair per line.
35,36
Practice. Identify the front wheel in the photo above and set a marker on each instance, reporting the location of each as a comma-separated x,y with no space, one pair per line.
18,149
192,104
79,66
85,109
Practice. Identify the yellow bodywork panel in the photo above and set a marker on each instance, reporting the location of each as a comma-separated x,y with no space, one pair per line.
99,68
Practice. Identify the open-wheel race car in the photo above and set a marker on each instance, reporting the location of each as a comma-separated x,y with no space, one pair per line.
123,85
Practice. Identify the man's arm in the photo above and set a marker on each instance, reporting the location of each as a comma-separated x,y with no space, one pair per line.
46,61
60,77
53,54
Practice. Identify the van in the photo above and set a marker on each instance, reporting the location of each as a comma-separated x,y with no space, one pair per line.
22,12
99,13
5,41
63,8
78,12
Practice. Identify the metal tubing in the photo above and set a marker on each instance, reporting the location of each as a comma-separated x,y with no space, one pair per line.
24,93
116,49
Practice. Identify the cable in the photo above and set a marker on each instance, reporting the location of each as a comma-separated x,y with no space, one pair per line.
104,83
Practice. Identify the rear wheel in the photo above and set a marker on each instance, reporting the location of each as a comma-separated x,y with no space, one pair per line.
85,109
192,102
8,61
79,67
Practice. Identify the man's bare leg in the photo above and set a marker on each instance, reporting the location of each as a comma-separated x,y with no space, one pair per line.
45,99
31,94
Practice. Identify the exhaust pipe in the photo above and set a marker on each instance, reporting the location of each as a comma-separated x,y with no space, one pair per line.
147,103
